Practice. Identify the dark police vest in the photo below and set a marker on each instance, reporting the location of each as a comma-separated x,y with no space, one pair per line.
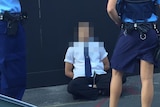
136,9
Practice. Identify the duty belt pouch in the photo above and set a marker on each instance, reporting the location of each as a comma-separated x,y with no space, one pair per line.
12,28
12,23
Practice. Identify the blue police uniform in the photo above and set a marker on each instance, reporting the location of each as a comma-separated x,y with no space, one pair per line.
12,54
131,48
153,17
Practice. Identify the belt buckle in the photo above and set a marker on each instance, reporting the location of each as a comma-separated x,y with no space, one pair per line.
135,26
143,36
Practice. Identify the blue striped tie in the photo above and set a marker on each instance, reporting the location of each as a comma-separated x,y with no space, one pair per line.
87,63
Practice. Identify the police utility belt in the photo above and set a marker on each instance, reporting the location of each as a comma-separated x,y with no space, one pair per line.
142,28
12,20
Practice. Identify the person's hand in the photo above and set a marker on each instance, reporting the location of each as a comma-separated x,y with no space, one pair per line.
94,86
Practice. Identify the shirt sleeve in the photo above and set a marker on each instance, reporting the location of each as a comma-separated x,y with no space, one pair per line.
103,53
69,55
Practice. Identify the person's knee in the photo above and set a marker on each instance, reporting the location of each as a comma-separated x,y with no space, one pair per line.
116,73
72,87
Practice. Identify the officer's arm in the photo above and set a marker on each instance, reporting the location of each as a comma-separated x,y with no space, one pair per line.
106,63
111,9
68,70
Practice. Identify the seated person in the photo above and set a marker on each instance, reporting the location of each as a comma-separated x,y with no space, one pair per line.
88,70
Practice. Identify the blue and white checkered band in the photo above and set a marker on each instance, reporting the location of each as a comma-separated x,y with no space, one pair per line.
13,6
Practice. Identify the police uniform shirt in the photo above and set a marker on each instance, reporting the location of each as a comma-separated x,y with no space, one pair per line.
153,18
75,56
13,6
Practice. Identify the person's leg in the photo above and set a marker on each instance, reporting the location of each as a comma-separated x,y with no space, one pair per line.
14,79
147,91
81,88
13,69
115,88
73,89
103,83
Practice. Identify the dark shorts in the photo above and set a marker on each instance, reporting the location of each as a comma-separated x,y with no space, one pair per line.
130,49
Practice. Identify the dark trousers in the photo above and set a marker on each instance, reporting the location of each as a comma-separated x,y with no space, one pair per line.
12,62
82,87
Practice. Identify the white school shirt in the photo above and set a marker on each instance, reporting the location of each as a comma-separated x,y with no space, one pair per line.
75,56
13,6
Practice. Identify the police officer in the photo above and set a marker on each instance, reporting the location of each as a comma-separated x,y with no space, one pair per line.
12,50
135,46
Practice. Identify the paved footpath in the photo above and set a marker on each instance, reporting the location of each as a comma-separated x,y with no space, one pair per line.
57,96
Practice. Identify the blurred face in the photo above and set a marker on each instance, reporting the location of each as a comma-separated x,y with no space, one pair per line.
83,31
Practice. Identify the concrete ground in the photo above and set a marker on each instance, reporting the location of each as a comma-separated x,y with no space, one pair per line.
57,96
